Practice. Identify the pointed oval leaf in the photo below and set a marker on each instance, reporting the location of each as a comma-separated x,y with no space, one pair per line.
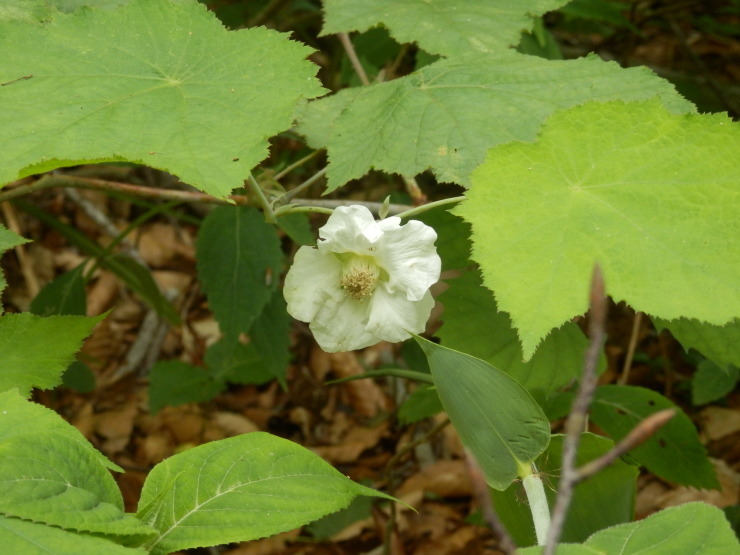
29,538
649,195
239,259
495,416
50,474
240,489
689,529
674,452
159,83
470,307
24,365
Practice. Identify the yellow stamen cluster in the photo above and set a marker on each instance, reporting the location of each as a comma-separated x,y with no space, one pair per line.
359,277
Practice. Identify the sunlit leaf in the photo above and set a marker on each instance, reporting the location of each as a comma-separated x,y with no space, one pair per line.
656,206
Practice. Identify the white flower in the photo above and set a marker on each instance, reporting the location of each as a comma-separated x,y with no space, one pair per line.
366,281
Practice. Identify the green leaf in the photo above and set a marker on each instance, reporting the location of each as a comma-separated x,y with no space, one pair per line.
447,27
689,529
445,116
297,226
720,344
473,324
63,295
240,489
173,383
453,237
36,351
422,403
588,512
158,83
587,191
49,473
79,377
28,538
495,416
264,358
673,453
231,360
239,259
8,240
710,382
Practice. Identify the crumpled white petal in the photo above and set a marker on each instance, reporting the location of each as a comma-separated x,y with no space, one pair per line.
409,256
311,283
394,318
397,305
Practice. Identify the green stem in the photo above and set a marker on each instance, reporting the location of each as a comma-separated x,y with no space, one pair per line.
261,199
429,206
285,197
395,372
293,209
538,506
285,171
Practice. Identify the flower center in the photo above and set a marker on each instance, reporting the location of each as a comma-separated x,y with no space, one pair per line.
359,276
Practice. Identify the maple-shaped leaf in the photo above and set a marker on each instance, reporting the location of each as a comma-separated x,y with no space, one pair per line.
445,116
159,83
650,196
446,27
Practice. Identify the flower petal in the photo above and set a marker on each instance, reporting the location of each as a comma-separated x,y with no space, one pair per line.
312,281
394,318
350,229
342,326
409,256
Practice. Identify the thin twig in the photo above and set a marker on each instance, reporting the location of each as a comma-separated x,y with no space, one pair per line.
576,422
354,60
639,435
483,497
49,181
631,349
105,223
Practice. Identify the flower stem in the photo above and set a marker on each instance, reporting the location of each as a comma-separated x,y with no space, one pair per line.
538,506
255,188
424,207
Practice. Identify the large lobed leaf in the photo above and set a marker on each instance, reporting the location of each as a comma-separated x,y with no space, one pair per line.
239,489
649,195
446,27
36,351
445,116
159,83
50,474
